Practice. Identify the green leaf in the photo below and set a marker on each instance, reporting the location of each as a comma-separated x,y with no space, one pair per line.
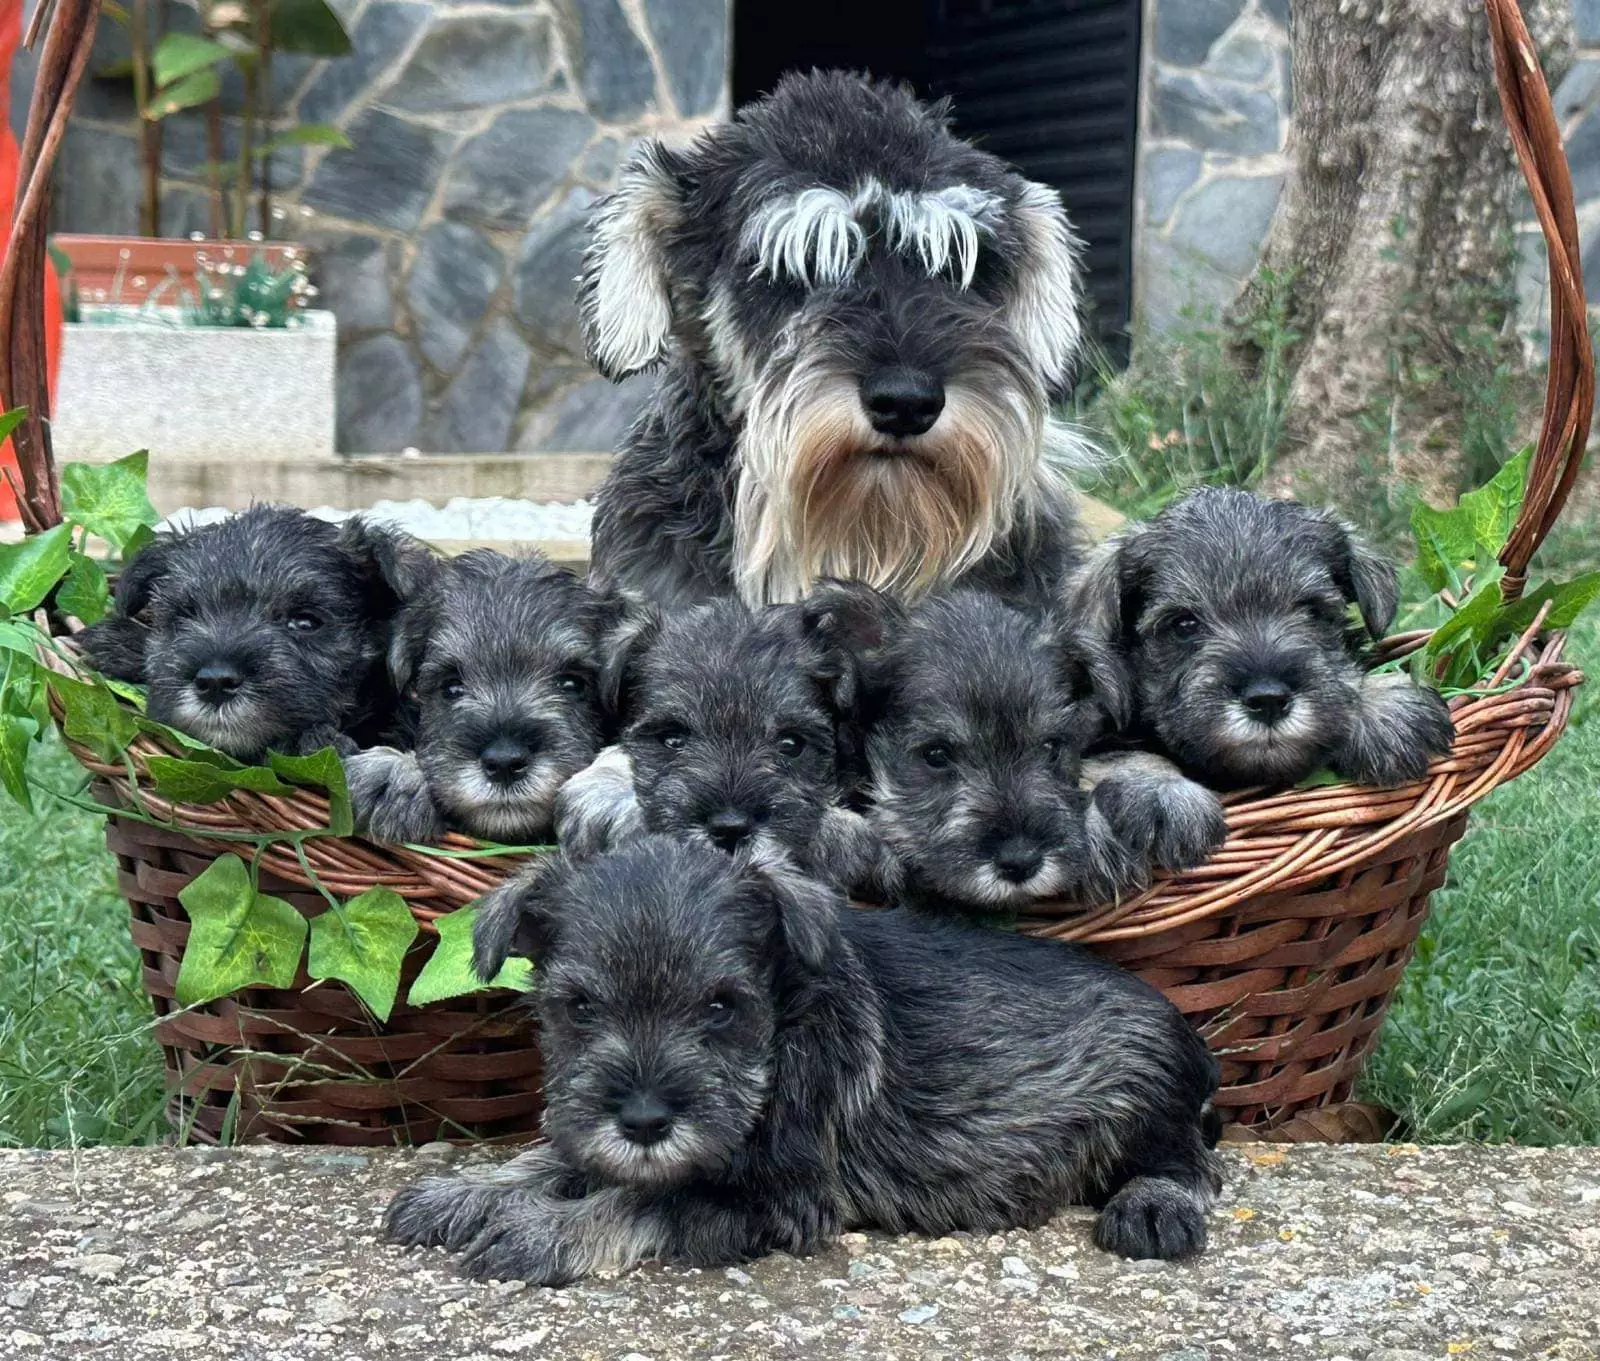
11,420
109,499
93,716
182,54
200,88
363,944
1492,509
238,936
85,594
18,638
30,569
449,971
1447,551
1568,600
202,782
138,541
307,26
321,770
22,692
1460,637
306,134
16,732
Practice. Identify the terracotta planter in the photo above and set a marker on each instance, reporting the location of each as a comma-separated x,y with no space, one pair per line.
124,269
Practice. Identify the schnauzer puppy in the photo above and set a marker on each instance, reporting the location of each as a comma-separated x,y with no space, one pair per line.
263,631
738,730
737,1064
499,659
979,714
1233,613
863,322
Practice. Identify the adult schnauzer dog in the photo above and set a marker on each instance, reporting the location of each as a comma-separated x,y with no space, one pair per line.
737,1064
263,631
499,662
862,321
979,716
739,729
1233,613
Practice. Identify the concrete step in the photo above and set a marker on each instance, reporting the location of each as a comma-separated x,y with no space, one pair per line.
1387,1253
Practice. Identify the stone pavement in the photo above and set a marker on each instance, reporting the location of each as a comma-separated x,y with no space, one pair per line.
1376,1254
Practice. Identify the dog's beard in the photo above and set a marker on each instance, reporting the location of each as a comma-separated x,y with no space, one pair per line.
507,813
245,726
1211,729
822,494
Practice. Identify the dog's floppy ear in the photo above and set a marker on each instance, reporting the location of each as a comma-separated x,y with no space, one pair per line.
1367,579
1106,596
516,919
624,296
808,910
116,645
1093,667
623,649
1046,303
398,566
850,624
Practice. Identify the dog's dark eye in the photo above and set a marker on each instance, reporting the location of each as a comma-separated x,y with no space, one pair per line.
1052,747
303,621
452,688
570,684
580,1011
938,756
674,739
791,744
718,1012
1184,625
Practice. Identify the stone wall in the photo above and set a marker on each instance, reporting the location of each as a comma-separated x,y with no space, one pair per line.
447,236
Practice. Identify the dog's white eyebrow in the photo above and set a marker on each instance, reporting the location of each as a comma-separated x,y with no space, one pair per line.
812,236
942,225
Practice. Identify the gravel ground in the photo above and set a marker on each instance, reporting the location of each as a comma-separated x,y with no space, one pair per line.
1374,1254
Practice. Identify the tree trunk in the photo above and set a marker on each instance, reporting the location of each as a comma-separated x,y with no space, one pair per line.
1395,220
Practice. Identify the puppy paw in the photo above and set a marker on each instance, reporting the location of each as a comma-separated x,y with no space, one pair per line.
390,798
525,1248
438,1212
1399,727
1156,811
1153,1217
848,852
1110,867
597,810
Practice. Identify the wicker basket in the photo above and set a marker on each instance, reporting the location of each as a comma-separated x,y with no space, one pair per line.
1284,949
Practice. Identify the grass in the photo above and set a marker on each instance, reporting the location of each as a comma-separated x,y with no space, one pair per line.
78,1061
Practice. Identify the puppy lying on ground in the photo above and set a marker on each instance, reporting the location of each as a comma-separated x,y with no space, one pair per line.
263,631
736,1065
1232,612
979,716
499,660
738,727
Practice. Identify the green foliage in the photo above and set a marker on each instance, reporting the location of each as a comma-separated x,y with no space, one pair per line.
260,295
29,570
363,943
85,594
109,500
449,971
237,935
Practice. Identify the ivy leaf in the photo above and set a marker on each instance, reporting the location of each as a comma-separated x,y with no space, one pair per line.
1447,550
93,716
363,944
1463,634
16,732
140,539
202,782
18,638
449,971
238,936
109,499
11,420
1492,509
323,770
1567,601
85,594
28,570
182,54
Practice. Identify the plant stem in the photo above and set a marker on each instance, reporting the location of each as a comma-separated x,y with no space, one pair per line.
149,129
244,180
263,31
219,226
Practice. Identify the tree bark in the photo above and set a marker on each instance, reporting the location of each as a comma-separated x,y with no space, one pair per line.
1397,212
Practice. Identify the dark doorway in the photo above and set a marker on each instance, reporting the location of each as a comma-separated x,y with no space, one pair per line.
1050,85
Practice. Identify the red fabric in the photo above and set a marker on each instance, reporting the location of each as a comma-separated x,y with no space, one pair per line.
10,41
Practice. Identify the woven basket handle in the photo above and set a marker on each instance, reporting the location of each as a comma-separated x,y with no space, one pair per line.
1569,387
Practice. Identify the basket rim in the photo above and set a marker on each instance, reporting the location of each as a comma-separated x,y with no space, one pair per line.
1278,840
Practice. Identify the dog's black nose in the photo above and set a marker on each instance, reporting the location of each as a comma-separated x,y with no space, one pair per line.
1266,700
1018,860
218,682
729,827
504,761
902,401
644,1119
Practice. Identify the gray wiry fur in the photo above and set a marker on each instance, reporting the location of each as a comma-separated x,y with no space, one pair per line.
832,237
1231,612
736,1065
263,631
499,660
979,714
738,726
